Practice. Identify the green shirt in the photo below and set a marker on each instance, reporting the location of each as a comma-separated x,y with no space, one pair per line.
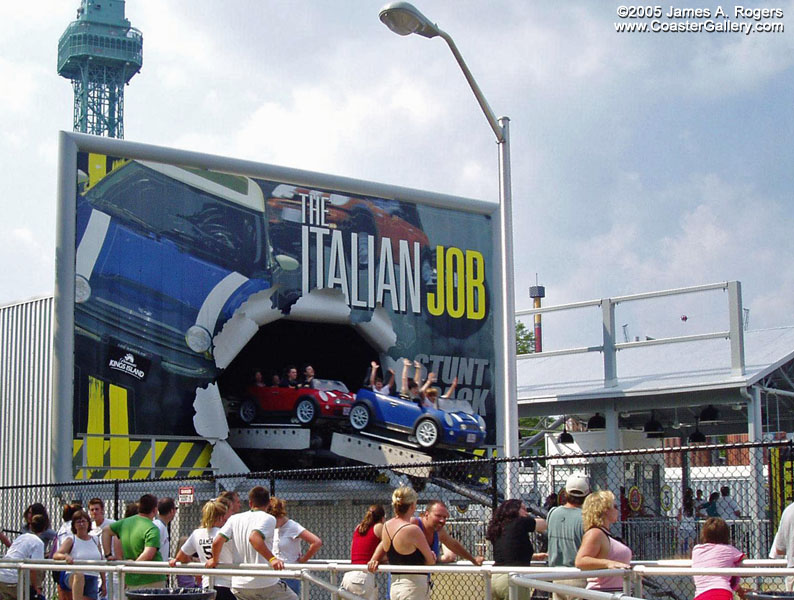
136,533
565,532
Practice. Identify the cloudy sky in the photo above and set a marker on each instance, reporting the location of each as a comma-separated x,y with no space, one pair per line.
640,161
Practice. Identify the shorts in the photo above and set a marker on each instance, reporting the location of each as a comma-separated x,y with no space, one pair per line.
280,591
715,594
409,587
500,588
90,589
360,583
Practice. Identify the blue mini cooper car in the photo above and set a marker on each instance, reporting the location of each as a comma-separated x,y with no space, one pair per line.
165,255
456,427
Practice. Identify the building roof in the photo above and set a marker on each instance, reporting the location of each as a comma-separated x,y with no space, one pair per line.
679,376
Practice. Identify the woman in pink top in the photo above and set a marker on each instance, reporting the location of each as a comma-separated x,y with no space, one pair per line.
599,550
715,550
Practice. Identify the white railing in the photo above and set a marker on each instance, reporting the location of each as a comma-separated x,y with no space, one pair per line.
537,577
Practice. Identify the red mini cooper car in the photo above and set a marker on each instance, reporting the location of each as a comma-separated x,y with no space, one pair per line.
328,399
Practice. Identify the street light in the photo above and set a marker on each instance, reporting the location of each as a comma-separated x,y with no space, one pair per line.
404,19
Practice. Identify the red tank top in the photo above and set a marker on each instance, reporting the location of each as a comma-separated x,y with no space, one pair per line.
363,546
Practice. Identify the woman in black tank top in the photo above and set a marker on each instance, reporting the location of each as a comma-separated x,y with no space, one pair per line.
404,544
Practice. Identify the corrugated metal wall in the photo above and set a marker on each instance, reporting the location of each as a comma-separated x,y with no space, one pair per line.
25,392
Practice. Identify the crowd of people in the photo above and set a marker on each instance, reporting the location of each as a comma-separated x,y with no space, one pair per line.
579,531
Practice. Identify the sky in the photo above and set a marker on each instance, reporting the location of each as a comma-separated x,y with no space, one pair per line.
640,161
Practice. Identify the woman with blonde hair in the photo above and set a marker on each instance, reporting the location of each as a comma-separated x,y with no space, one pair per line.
404,544
366,537
287,541
213,515
599,549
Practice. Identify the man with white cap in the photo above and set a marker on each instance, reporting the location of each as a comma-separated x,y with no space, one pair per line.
565,530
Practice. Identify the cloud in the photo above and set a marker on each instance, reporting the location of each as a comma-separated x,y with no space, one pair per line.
26,263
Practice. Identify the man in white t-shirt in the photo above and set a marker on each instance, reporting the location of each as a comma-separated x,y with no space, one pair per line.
166,511
784,542
96,508
726,507
27,545
251,534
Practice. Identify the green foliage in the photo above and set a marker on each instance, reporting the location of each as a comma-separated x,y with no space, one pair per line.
525,339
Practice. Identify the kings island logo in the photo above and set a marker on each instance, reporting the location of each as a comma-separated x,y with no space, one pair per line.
126,364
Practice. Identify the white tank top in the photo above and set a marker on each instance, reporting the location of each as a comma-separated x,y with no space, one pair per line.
86,550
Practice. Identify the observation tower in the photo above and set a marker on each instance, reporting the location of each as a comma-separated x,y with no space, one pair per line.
100,52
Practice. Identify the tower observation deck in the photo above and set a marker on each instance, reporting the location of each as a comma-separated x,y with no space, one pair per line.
100,52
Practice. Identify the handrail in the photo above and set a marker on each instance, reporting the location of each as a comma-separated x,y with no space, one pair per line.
539,577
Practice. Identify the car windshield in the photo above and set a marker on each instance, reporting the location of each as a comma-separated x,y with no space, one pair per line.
402,210
201,223
451,405
328,385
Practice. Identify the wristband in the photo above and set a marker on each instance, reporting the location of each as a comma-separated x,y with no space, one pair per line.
271,559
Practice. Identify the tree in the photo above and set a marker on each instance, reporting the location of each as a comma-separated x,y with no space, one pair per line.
525,339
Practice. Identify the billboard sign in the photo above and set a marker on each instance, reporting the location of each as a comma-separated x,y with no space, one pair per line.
183,278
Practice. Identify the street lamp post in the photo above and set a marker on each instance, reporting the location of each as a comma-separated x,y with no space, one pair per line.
404,19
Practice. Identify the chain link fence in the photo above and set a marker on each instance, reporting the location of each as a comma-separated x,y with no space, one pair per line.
330,502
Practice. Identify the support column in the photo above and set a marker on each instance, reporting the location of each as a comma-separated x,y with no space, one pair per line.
756,505
614,464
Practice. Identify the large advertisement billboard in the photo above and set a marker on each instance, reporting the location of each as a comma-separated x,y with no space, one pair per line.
200,282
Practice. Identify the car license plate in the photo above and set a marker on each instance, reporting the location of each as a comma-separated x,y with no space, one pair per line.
471,438
346,410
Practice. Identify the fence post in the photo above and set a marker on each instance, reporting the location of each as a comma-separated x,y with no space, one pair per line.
495,486
272,477
116,500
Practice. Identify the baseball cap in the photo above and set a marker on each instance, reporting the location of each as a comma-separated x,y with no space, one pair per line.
577,485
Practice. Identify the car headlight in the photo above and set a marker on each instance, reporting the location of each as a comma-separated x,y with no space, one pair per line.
82,289
481,421
448,419
323,396
198,339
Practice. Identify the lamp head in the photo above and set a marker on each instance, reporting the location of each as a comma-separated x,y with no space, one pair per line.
403,18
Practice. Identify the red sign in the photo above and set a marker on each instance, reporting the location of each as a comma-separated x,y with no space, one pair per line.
187,494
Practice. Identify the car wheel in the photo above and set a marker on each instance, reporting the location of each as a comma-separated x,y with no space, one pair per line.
306,411
427,433
359,417
247,411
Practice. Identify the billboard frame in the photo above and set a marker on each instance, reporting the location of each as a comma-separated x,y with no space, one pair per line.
70,143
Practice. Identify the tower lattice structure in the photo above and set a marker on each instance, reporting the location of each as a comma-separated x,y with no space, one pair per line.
100,52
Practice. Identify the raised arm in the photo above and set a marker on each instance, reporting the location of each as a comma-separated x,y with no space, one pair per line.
418,374
404,378
451,391
431,379
373,370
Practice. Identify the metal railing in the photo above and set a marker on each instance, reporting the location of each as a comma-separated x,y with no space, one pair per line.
610,346
536,577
